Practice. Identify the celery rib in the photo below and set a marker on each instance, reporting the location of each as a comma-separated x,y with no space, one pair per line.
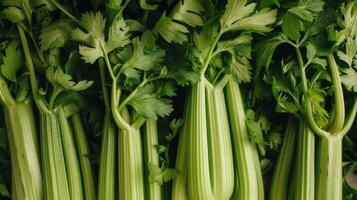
22,136
198,171
153,190
179,188
71,158
130,159
247,180
305,164
106,190
220,148
329,168
281,175
83,154
54,166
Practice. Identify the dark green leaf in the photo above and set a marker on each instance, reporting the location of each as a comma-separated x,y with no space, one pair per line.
62,81
254,128
265,50
13,14
291,27
12,61
55,35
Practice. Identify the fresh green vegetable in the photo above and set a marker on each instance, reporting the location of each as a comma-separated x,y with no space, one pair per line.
20,124
314,85
282,172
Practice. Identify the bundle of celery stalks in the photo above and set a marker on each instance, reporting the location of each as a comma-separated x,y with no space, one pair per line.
178,99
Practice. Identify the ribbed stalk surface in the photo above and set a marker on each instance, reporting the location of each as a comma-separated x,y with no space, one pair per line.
220,147
248,181
22,136
329,168
107,172
53,161
305,164
179,188
198,171
282,172
71,158
83,155
150,135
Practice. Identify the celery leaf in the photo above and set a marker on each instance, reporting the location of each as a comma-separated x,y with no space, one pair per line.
160,176
254,128
12,61
246,19
145,54
186,12
94,24
62,81
13,14
55,35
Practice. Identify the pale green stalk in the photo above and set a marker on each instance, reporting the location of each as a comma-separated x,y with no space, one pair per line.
338,118
152,190
220,147
106,183
83,154
179,188
130,159
305,164
259,176
71,158
281,176
53,161
199,186
329,168
247,181
22,136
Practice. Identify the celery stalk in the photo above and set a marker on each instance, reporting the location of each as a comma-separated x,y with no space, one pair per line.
179,188
329,168
220,148
198,171
20,125
106,190
305,163
71,158
131,178
54,166
83,154
282,171
153,190
247,181
107,174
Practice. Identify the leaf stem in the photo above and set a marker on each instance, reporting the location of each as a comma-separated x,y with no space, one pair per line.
132,94
306,100
103,83
53,98
62,9
30,67
210,53
350,119
107,62
121,123
339,114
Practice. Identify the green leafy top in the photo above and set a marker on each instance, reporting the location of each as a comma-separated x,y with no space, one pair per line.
311,35
222,43
98,44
